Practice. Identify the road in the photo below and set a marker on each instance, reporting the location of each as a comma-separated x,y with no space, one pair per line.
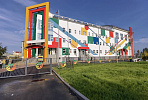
37,87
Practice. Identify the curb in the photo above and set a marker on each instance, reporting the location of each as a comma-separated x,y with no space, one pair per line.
78,94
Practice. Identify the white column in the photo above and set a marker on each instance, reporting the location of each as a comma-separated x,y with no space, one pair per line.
36,52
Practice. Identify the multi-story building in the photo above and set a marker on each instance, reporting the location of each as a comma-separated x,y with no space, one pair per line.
74,38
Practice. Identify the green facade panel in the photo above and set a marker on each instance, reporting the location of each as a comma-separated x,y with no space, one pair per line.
125,47
90,39
34,27
65,51
55,20
102,32
111,48
33,52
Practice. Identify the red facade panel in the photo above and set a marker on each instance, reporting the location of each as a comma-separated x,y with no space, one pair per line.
111,34
55,44
83,47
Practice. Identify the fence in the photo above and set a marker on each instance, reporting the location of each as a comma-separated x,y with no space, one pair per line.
71,61
23,67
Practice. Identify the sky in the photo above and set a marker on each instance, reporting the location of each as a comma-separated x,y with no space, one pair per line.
121,13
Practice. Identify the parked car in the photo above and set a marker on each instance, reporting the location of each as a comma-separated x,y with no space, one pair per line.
139,59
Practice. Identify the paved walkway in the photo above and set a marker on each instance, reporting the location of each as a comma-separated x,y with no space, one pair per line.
39,87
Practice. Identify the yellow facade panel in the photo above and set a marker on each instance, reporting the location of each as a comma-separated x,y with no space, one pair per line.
83,31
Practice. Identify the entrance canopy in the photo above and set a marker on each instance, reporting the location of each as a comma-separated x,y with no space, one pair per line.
83,47
34,46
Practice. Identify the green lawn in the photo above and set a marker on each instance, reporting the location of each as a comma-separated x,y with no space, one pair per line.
110,81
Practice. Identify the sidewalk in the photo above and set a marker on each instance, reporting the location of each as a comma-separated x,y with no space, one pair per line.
39,87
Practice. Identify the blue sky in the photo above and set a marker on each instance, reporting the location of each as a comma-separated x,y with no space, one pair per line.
121,13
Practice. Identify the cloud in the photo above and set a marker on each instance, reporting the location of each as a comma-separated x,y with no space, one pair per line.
21,32
25,2
5,18
142,40
10,37
8,19
11,40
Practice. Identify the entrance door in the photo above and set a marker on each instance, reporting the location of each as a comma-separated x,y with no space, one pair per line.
82,54
39,52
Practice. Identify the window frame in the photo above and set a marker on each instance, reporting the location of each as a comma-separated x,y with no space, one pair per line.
56,39
69,30
64,50
63,29
64,40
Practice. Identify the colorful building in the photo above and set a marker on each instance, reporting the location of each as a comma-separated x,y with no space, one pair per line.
53,36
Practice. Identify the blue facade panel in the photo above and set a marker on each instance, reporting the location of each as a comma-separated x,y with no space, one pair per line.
96,40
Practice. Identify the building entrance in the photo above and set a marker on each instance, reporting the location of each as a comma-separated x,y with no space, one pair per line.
82,54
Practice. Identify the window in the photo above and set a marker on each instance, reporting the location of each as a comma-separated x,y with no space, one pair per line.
63,40
50,26
110,44
69,40
96,51
74,51
103,43
105,51
79,32
121,36
83,52
89,33
50,37
69,50
88,51
92,34
125,37
93,51
63,29
84,33
57,39
129,40
100,43
38,36
117,35
39,24
69,30
100,51
96,35
75,31
96,43
64,51
75,40
80,41
84,41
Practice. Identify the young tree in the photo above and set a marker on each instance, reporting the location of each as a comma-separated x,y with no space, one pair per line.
138,52
2,50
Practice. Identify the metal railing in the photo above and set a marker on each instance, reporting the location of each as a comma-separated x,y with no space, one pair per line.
33,66
24,67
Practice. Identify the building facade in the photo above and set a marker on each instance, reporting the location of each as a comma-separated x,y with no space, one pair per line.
73,38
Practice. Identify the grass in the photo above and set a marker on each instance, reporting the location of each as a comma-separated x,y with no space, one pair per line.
109,81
